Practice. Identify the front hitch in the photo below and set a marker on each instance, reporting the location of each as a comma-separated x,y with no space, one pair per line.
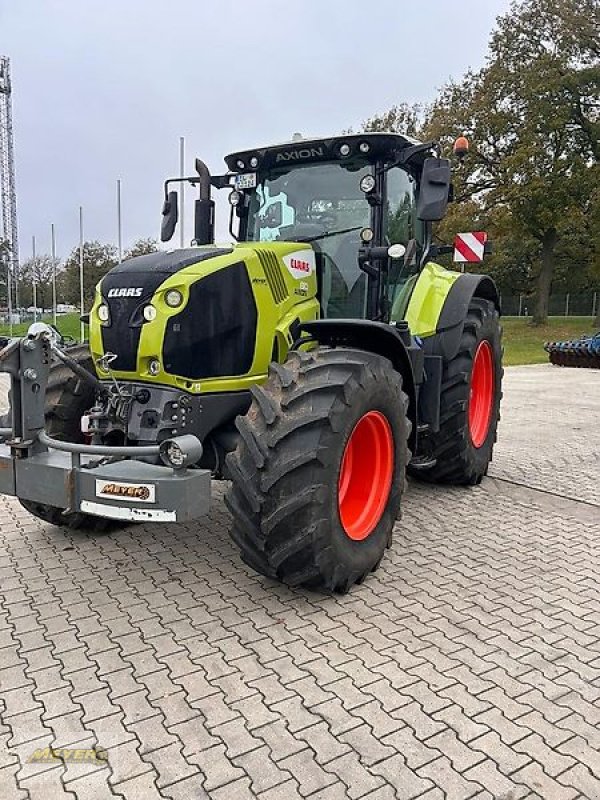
34,466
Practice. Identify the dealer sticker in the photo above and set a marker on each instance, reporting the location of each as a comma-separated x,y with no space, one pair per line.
131,492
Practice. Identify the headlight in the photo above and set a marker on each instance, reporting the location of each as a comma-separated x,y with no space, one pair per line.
173,298
149,313
367,184
154,366
103,313
366,235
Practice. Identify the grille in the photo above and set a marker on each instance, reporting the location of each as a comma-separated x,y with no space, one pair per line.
273,274
214,335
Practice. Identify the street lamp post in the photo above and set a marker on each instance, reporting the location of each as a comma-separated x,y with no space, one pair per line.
182,204
34,262
81,298
53,247
119,224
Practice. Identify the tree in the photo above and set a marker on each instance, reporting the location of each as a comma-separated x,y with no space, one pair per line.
98,259
142,248
533,116
38,270
532,113
403,118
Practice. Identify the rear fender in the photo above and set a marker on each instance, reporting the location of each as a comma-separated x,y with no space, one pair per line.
445,341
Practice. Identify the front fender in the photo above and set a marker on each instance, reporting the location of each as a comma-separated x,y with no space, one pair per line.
394,343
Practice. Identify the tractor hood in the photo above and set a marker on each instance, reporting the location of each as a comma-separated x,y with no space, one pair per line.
129,287
190,318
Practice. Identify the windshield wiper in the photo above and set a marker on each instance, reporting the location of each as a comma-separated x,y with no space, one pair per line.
328,234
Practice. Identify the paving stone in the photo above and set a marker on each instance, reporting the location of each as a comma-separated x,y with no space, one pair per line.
487,774
354,775
238,740
461,756
370,748
441,773
538,781
506,758
265,773
580,778
142,787
169,764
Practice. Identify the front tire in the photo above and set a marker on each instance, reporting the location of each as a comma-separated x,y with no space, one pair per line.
469,404
317,477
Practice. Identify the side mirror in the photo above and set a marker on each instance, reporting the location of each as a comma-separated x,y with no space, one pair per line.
170,214
434,188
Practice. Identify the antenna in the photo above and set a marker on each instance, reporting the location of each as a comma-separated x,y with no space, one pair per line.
9,240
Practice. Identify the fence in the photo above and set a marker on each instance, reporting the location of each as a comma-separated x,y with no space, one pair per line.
559,305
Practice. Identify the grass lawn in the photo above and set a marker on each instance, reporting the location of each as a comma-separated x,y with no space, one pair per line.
67,324
522,343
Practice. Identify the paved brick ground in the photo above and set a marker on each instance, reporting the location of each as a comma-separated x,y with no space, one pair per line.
468,666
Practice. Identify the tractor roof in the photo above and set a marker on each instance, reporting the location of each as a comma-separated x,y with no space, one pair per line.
371,146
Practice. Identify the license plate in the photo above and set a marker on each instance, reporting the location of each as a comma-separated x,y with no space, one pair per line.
245,181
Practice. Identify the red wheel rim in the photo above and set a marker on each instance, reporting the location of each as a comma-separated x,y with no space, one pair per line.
481,396
366,475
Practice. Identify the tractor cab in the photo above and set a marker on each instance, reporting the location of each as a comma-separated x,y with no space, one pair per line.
352,198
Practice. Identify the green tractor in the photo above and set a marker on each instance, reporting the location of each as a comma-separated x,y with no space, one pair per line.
312,363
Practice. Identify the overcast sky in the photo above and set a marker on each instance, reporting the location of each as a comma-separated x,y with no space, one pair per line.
103,89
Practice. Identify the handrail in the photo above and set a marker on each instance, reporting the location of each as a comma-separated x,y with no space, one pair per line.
96,449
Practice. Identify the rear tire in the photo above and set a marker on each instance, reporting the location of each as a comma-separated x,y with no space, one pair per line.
469,403
302,513
68,397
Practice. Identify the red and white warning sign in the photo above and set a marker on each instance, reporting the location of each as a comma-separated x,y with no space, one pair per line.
469,246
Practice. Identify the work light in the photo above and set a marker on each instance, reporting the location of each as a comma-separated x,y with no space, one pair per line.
103,313
367,184
181,452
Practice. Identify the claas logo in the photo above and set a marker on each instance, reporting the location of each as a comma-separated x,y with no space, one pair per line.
303,266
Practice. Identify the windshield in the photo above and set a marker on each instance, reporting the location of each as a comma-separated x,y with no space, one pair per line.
307,202
322,204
